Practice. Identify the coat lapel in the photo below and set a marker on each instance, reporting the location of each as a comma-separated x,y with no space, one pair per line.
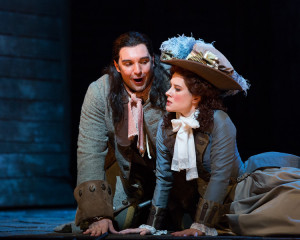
152,117
121,131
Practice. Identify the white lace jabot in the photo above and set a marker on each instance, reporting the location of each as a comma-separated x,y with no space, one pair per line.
184,156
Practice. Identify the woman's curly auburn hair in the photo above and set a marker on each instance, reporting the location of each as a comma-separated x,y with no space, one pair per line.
210,98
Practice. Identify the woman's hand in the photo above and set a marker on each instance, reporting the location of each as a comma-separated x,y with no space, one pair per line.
188,232
141,231
102,226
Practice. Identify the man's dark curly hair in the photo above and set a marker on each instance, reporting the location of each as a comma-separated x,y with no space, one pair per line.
210,98
117,90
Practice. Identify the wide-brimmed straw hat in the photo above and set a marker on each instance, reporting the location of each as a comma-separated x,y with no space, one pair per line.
204,60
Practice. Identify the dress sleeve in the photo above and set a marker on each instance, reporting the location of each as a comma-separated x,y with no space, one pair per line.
93,193
164,176
164,181
223,155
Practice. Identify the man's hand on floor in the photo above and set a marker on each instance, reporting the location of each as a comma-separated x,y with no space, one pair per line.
100,227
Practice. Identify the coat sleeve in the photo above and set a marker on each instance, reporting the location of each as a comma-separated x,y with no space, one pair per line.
223,154
92,192
164,181
93,136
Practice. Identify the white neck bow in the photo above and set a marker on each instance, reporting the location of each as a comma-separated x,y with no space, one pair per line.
184,156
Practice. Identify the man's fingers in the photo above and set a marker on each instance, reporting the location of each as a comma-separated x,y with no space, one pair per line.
87,231
93,232
98,233
97,229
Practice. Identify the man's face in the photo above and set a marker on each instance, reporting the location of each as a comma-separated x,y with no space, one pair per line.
136,67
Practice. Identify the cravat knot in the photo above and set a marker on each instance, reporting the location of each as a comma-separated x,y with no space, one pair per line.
184,123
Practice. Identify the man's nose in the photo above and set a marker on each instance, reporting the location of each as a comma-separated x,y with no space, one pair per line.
137,69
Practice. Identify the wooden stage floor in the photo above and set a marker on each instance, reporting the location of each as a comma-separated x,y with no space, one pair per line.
40,223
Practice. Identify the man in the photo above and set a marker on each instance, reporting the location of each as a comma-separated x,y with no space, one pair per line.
117,134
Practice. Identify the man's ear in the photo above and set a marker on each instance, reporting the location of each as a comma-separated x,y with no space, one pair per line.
117,66
196,99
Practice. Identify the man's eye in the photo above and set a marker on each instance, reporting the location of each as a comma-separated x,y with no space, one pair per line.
127,64
145,62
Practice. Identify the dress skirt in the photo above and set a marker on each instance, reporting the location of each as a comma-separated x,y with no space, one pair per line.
267,203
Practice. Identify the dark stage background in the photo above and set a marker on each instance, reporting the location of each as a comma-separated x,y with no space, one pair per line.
260,38
51,50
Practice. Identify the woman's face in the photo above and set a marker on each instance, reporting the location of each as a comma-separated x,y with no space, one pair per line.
179,97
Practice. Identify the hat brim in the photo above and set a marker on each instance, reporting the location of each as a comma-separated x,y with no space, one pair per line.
213,76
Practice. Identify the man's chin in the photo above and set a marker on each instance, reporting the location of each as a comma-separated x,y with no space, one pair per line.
138,89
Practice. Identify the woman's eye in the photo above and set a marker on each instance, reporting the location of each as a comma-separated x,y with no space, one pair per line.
177,89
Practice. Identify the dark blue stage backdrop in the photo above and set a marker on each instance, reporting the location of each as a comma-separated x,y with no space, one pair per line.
34,104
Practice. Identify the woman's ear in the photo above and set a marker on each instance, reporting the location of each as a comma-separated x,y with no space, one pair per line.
117,66
196,100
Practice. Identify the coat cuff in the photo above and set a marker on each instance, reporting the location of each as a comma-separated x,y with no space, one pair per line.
208,212
94,199
156,217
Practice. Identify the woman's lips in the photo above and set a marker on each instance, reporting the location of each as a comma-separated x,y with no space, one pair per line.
168,102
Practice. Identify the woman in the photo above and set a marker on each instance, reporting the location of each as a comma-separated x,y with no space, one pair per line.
198,136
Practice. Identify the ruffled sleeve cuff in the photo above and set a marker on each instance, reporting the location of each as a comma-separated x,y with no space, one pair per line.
152,230
206,230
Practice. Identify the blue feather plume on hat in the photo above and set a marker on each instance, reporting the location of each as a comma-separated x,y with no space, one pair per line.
179,47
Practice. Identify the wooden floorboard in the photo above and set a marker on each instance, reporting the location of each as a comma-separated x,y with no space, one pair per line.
28,224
